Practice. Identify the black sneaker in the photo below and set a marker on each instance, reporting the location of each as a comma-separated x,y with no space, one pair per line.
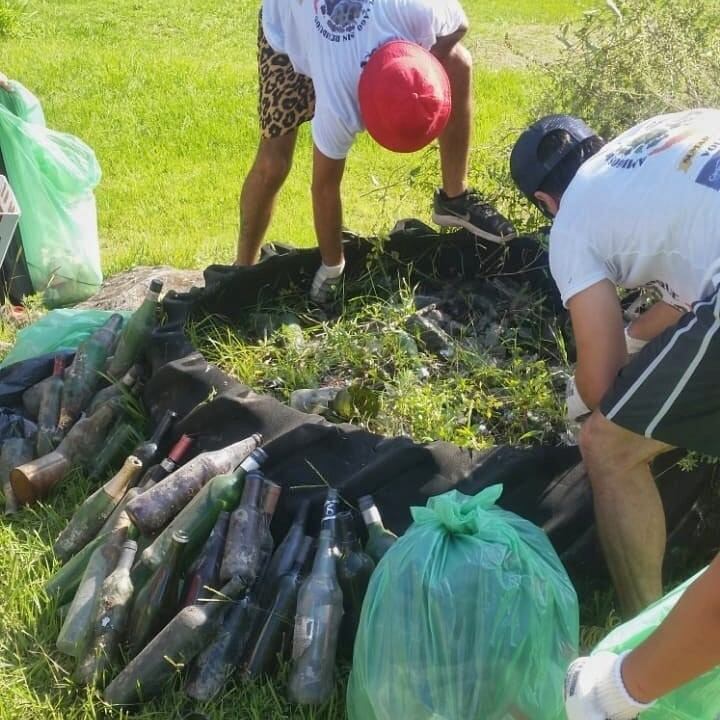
471,212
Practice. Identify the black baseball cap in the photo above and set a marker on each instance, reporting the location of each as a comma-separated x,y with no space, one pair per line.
526,169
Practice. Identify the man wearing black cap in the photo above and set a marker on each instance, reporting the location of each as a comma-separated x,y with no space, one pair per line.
642,210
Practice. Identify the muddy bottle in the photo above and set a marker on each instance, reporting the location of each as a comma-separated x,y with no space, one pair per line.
181,640
117,389
284,557
163,502
197,518
156,601
49,412
380,540
90,517
317,622
110,619
243,552
117,446
147,451
15,452
354,569
84,375
32,398
174,459
34,480
136,334
271,496
75,633
214,666
204,574
277,629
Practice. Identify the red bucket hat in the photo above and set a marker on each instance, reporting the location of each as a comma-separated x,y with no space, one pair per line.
404,94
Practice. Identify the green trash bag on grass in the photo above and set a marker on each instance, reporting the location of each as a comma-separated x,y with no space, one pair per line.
469,616
53,175
698,700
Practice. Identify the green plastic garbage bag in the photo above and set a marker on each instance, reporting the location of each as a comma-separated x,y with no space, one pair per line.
53,175
469,616
58,329
698,700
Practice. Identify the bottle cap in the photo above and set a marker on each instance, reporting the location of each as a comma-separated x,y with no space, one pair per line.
181,449
180,537
156,285
366,502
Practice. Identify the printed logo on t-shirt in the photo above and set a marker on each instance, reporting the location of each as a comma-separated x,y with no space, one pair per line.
340,20
710,172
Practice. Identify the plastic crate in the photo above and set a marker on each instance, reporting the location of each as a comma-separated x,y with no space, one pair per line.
9,216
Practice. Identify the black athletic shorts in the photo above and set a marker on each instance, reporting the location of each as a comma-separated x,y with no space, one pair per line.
670,390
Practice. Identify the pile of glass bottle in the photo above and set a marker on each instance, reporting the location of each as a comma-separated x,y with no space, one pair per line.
175,569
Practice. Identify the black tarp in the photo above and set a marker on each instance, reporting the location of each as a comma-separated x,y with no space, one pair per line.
544,484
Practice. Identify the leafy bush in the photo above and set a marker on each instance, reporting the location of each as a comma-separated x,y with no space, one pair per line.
10,12
635,59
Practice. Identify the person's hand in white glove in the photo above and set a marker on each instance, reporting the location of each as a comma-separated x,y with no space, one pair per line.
594,690
574,404
5,83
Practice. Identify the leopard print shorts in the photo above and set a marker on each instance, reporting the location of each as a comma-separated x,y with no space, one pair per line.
286,98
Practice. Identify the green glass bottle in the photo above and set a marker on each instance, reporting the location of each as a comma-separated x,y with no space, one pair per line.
317,623
354,569
117,389
90,517
157,600
118,444
136,334
49,411
380,540
110,620
76,631
199,516
84,375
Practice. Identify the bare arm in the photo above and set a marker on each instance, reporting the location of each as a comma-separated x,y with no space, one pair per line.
599,335
684,647
652,322
327,205
445,44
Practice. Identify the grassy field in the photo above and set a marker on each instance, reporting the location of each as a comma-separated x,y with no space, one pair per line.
164,91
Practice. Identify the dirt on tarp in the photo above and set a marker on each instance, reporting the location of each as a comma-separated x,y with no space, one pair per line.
126,290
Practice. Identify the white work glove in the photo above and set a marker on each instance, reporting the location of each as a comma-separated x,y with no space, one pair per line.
633,345
594,690
574,404
326,280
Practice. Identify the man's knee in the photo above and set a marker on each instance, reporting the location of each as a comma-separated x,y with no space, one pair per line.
603,442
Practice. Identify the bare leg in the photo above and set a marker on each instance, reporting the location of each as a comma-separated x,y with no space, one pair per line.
455,140
628,509
684,647
257,199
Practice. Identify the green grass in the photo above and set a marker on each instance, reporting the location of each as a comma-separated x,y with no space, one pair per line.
165,93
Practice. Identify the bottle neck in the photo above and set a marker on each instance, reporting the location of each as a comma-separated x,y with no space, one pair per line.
324,565
128,473
270,501
252,491
371,517
59,366
163,426
127,556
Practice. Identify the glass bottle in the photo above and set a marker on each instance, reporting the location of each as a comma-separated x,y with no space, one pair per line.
110,619
380,540
49,412
204,573
242,555
90,517
157,600
174,459
317,622
136,334
146,452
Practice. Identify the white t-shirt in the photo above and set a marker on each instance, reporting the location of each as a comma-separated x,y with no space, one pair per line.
330,40
645,211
